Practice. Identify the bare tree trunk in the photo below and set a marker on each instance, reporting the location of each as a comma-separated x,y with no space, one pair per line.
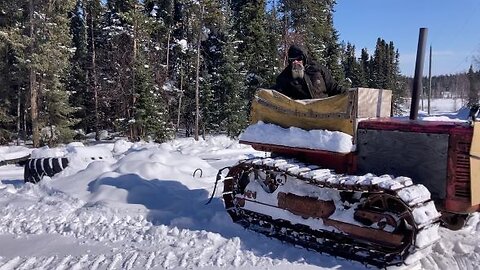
25,112
179,102
168,52
285,41
19,119
133,134
95,80
93,68
169,35
197,79
33,89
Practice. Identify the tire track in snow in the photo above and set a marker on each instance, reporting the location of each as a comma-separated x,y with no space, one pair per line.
11,264
63,263
149,263
46,262
27,264
130,261
97,261
80,264
115,260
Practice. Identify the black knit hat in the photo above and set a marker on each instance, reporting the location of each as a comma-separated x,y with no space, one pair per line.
296,52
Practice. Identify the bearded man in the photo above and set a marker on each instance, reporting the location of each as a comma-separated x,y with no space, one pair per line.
305,79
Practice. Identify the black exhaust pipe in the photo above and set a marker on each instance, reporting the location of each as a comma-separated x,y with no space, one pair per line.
417,80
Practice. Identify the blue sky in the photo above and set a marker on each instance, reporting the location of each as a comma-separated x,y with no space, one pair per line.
453,30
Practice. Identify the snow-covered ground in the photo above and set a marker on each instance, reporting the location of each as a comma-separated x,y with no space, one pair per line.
143,207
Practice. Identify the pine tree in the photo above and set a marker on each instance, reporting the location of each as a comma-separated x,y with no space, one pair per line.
332,49
365,68
151,119
235,115
232,107
352,68
473,88
384,72
12,69
310,22
274,36
250,26
93,11
77,77
119,50
49,53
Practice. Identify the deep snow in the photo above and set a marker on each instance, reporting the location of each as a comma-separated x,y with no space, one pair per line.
143,206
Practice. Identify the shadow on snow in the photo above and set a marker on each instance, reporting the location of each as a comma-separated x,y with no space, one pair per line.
173,204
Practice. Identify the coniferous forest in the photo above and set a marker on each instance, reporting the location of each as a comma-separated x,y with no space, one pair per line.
154,68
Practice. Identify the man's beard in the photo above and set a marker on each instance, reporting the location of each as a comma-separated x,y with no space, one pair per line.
298,71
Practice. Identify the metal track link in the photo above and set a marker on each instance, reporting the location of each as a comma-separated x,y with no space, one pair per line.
421,211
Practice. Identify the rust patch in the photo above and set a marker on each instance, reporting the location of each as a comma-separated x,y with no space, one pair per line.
240,202
372,217
370,234
304,206
250,194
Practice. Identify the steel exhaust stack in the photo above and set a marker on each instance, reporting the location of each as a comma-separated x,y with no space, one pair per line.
417,80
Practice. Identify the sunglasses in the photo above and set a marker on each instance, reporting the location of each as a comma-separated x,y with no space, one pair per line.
299,58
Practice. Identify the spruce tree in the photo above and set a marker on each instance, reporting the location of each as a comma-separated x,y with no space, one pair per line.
274,36
235,113
151,116
250,27
473,87
50,50
93,12
310,22
77,77
365,68
232,106
13,71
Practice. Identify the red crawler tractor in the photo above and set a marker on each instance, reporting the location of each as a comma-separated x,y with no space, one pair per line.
381,203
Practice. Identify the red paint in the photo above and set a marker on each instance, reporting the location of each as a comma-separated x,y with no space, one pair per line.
458,173
340,163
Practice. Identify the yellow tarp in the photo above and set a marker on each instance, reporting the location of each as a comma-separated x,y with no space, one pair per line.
332,113
475,165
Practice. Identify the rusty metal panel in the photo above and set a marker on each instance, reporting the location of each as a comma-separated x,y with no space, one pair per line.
420,156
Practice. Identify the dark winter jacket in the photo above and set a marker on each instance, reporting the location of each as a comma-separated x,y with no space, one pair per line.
317,81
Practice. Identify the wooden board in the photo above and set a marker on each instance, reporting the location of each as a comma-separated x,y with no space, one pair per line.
373,102
475,165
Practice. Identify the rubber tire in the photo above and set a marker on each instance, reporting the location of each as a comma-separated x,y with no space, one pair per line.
36,168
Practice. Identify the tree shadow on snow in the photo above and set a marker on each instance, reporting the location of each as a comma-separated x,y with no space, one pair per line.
173,204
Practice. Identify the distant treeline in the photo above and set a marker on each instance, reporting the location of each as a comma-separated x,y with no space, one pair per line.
453,85
146,69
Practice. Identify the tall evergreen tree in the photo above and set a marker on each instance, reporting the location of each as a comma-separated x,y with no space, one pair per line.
365,67
77,77
473,87
384,71
250,26
93,12
49,53
310,22
12,69
274,36
352,68
235,114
